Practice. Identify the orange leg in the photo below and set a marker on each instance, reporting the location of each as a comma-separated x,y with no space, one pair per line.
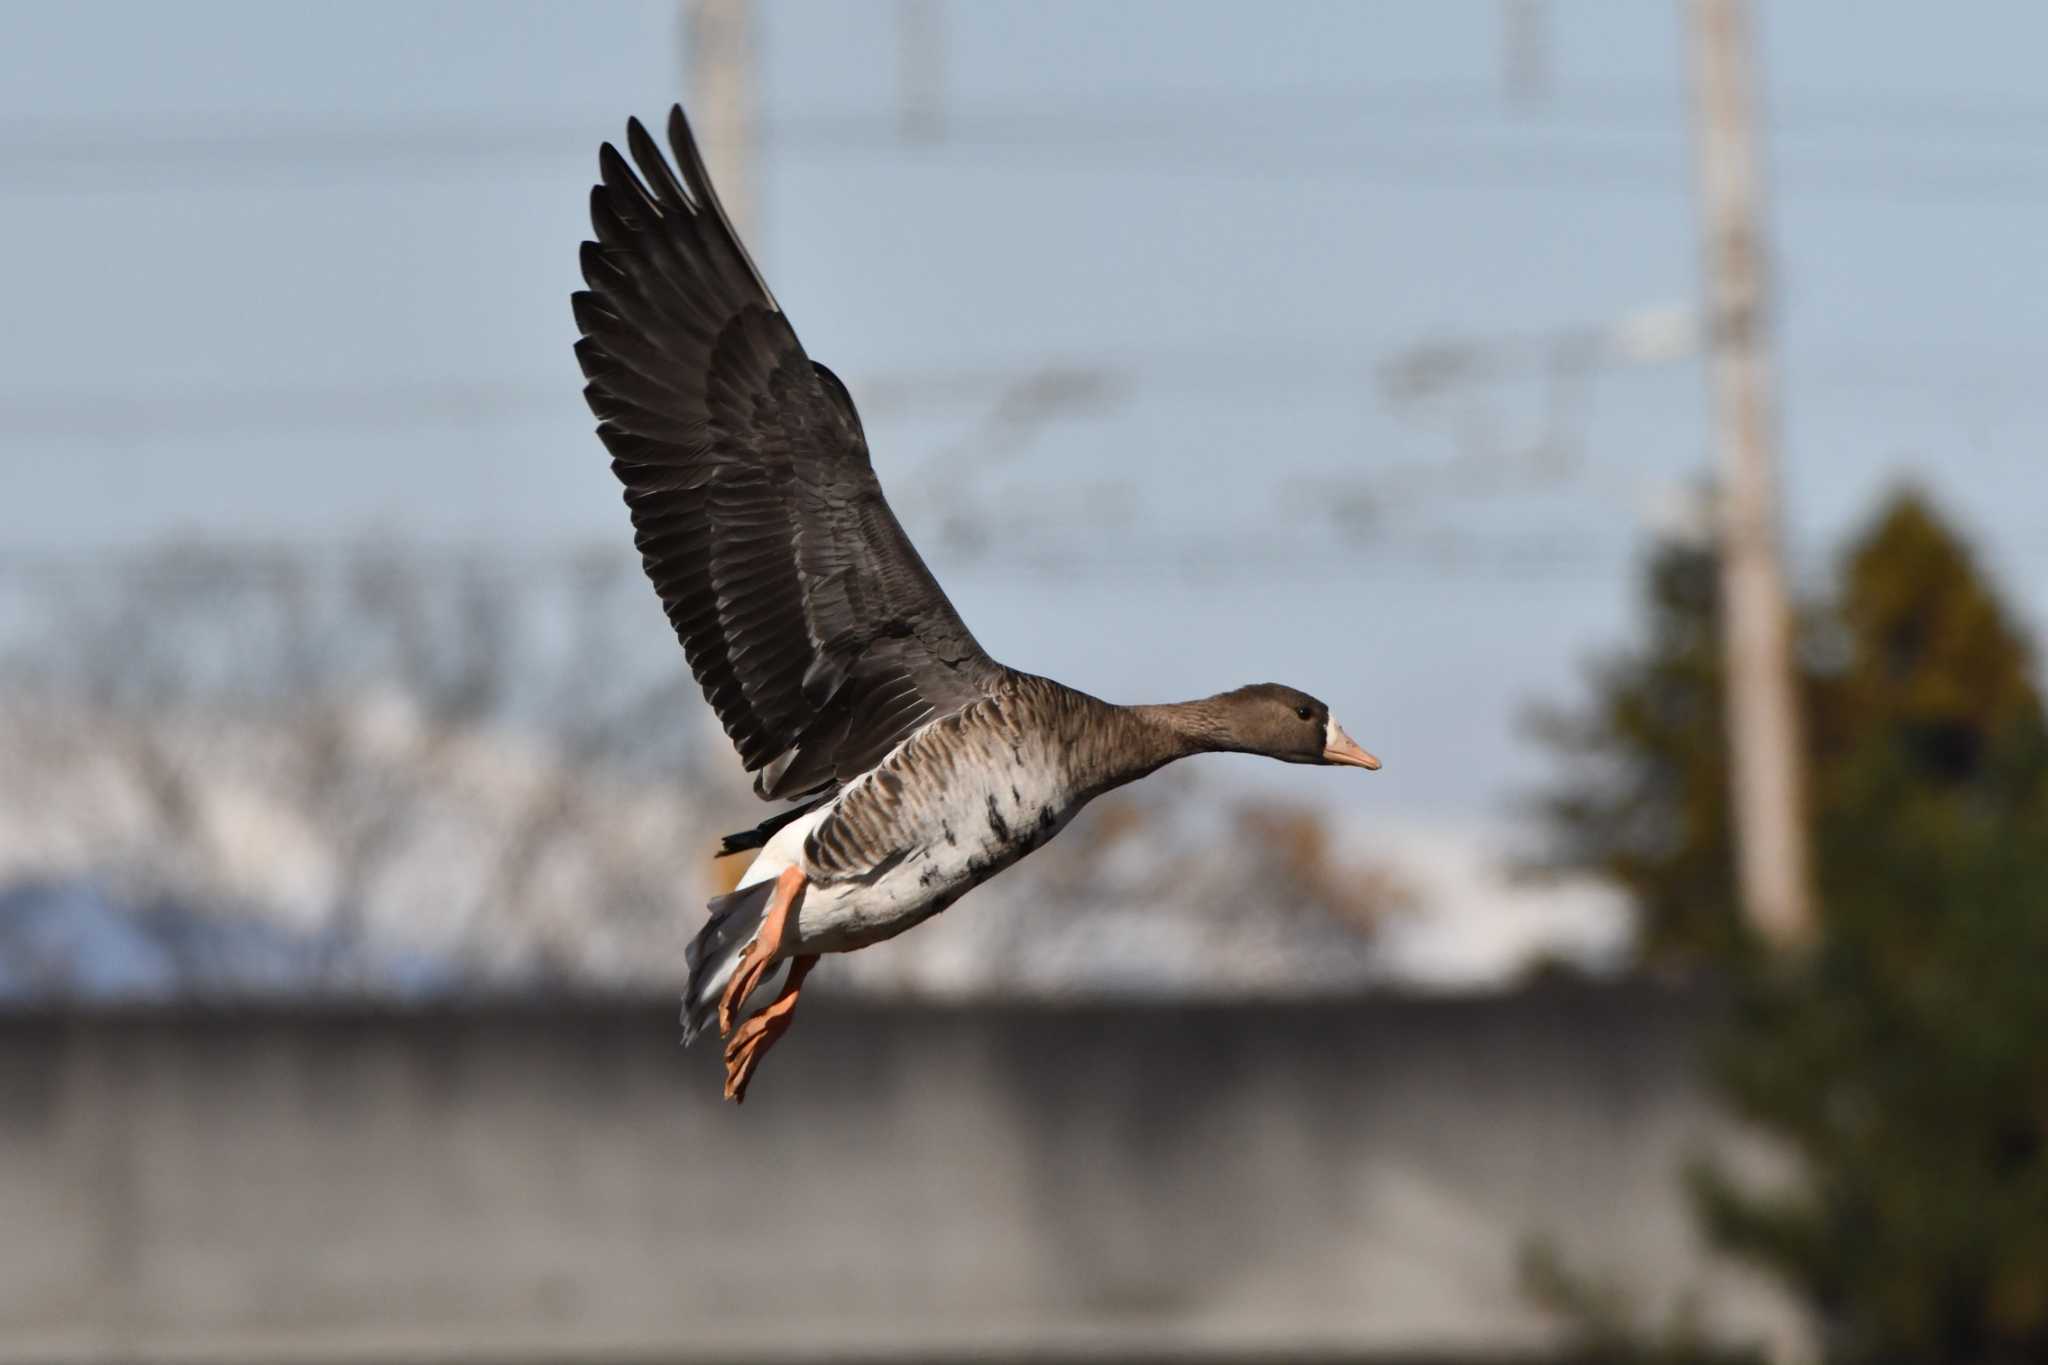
759,958
759,1033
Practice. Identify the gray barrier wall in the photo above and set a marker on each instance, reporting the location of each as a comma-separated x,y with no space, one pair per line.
561,1183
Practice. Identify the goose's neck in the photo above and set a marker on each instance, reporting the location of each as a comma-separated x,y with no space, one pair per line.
1177,729
1106,745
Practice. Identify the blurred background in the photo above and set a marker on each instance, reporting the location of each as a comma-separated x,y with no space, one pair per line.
1627,417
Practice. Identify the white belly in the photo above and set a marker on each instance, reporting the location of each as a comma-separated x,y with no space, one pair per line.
976,829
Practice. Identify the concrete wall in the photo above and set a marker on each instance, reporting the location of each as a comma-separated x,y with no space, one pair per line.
562,1184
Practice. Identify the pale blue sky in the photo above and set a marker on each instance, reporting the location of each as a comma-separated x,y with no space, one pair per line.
301,272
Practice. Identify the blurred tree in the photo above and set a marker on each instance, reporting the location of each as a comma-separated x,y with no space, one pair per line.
1645,796
1902,1061
1905,1062
1606,1326
322,737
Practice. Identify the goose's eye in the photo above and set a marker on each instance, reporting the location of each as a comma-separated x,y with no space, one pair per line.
1303,712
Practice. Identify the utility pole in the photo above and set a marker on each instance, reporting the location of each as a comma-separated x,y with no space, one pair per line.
1525,51
920,69
1767,756
719,56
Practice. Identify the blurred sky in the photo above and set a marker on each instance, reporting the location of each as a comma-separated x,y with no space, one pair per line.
300,273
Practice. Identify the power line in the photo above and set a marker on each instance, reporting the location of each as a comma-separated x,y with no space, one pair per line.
1228,558
1233,135
1224,371
124,414
1195,115
1235,556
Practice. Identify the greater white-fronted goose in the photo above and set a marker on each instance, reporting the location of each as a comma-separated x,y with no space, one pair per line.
849,685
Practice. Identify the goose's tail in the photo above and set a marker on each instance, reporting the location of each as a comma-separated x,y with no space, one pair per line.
759,835
714,954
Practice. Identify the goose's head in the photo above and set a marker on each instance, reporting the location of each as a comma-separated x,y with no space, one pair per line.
1281,722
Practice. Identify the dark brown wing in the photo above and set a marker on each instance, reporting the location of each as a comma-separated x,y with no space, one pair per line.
813,626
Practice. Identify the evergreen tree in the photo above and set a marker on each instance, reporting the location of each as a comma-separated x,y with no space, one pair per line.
1645,797
1905,1060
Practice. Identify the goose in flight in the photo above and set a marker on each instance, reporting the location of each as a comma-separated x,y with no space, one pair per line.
918,766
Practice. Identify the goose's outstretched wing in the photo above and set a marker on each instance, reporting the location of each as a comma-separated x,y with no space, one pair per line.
817,633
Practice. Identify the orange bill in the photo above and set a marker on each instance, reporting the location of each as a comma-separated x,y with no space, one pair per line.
1339,747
